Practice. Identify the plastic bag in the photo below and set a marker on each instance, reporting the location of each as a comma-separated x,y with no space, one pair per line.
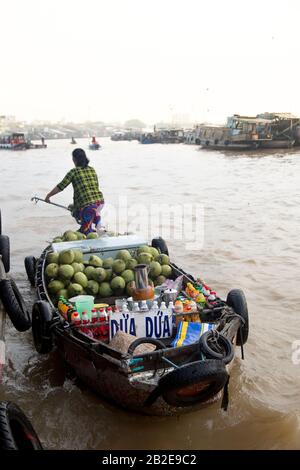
188,333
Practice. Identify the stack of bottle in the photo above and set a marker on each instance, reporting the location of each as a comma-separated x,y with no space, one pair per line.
96,328
200,293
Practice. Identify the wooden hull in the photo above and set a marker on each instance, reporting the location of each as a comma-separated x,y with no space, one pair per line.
278,144
116,376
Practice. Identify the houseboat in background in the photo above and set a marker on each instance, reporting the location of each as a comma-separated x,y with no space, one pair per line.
18,141
15,141
163,136
267,130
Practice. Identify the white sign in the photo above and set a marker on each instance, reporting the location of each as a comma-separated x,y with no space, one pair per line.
143,325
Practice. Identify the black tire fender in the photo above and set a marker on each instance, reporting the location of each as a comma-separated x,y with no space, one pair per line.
41,322
223,343
192,383
30,267
160,244
237,300
5,252
159,344
16,431
14,305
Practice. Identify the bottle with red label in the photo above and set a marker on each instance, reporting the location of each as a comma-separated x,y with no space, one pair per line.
75,319
94,321
103,329
85,321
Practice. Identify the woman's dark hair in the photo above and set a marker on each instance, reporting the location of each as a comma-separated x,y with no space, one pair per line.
80,158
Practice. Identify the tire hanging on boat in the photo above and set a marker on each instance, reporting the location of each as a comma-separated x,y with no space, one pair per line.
237,300
216,346
14,305
159,344
160,244
191,384
16,431
30,267
5,252
41,323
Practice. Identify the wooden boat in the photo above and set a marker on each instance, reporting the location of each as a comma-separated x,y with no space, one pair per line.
166,381
15,141
94,146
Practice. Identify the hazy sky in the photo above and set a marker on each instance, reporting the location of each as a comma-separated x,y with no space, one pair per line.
121,59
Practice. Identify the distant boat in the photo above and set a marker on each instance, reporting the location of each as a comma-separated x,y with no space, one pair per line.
73,141
94,145
15,141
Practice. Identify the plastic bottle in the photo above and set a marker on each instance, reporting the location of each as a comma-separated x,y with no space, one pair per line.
178,311
155,307
64,307
109,312
163,307
94,321
75,319
135,307
144,306
104,328
85,321
125,308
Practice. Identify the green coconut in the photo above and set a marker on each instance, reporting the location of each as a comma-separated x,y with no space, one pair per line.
144,258
80,236
159,280
144,249
99,275
124,255
52,257
55,286
65,271
117,283
92,235
88,271
154,252
131,264
130,286
75,289
107,263
95,261
57,240
163,259
92,288
109,273
69,236
127,275
51,270
80,278
78,256
155,269
118,266
166,270
66,257
78,267
105,290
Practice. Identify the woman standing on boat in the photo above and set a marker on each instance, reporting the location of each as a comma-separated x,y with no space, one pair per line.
88,199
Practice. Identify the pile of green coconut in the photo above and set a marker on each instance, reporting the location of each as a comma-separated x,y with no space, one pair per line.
69,275
70,236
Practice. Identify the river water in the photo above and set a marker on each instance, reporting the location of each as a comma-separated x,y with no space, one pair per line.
251,241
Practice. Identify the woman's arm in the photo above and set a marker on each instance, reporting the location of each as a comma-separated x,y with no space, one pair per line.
52,193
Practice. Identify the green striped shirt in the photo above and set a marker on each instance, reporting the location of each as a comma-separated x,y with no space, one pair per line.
85,185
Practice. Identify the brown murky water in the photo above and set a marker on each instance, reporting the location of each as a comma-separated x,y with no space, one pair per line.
251,241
